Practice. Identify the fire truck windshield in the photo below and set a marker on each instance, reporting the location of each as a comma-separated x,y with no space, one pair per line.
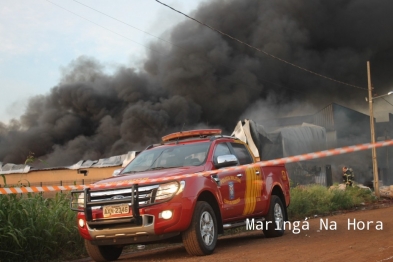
168,157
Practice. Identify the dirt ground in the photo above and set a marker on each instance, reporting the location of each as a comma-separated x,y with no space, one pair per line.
314,244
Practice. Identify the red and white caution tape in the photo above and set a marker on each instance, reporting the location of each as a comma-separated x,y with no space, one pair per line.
280,161
37,189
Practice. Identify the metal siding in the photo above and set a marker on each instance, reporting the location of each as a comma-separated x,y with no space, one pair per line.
325,118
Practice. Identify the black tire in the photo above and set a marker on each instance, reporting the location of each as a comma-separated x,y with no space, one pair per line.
201,237
274,223
103,253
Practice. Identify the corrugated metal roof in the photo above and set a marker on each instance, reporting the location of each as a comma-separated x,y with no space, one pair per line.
120,160
76,165
12,168
111,161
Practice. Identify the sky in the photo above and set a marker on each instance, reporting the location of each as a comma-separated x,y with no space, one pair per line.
40,38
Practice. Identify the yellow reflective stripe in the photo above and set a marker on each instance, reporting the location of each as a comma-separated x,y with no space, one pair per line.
252,191
246,197
258,182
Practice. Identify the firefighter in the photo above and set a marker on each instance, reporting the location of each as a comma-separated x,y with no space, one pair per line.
348,176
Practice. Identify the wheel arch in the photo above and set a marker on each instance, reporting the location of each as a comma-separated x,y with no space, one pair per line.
278,192
208,197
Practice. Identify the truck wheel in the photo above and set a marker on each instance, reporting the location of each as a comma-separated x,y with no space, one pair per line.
103,253
274,224
201,237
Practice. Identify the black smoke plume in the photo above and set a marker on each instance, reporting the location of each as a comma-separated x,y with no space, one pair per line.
208,79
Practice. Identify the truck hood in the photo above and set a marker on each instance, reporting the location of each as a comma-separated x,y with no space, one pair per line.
153,174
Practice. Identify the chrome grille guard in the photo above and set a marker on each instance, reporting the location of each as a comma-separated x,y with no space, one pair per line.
95,199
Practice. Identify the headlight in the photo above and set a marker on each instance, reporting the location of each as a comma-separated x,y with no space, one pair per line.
77,200
81,200
168,190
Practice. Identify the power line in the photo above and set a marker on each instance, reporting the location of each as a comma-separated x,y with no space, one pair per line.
259,50
114,18
264,80
172,43
387,101
101,26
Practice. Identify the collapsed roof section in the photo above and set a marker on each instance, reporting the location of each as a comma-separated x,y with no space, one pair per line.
282,142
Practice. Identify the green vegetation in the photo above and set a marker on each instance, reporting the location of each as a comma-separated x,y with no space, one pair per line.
319,200
30,159
35,228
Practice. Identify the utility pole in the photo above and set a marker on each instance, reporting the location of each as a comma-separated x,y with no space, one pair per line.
373,150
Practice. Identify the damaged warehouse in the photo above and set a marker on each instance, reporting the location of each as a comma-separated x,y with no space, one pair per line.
288,141
333,126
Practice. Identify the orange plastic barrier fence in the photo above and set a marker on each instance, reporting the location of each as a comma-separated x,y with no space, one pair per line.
280,161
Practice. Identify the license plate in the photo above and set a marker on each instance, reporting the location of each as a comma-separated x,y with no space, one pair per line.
116,210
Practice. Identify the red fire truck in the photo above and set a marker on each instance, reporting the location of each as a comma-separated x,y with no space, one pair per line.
193,185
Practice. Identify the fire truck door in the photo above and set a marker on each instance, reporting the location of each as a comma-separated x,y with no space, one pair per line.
232,186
